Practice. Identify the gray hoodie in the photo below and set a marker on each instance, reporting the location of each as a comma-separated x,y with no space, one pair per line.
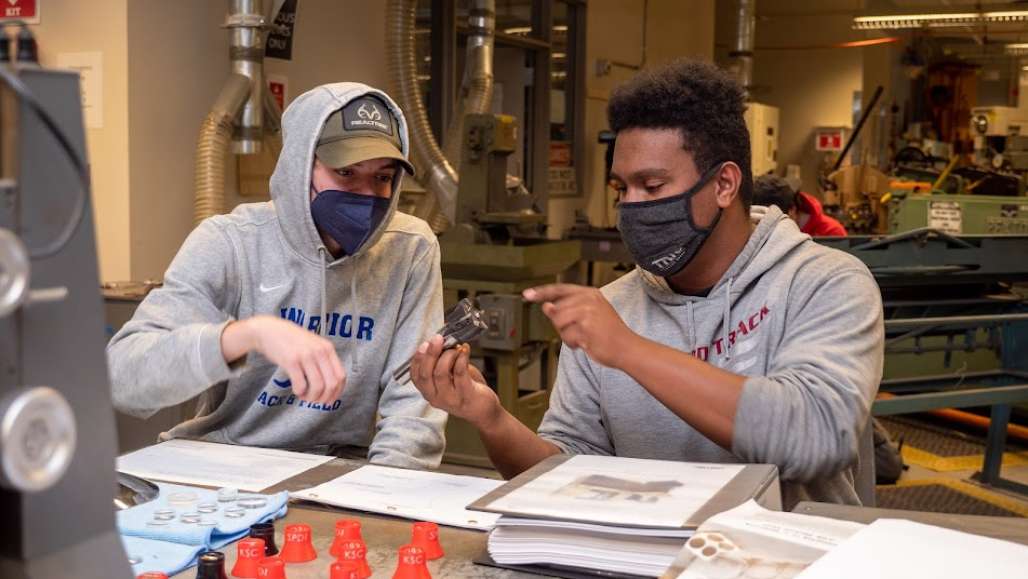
376,306
801,321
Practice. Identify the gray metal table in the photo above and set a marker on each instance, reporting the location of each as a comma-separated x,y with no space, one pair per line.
1012,529
383,535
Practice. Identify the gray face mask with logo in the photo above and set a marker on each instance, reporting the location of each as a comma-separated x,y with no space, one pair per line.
661,234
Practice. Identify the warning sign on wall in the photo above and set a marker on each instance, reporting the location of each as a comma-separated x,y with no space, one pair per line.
946,216
25,10
278,86
829,140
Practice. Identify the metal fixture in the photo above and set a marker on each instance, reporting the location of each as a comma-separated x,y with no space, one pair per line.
938,20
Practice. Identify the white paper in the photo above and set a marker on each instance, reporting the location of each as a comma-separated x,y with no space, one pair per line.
891,548
90,66
217,465
413,494
750,540
621,491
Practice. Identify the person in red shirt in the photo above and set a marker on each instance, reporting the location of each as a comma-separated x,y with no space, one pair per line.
805,209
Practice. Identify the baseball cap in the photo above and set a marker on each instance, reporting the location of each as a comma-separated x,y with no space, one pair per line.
363,129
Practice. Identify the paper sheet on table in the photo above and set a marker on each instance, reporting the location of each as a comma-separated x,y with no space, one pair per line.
413,494
246,468
750,540
891,548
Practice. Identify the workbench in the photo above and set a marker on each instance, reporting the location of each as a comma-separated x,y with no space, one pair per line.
385,535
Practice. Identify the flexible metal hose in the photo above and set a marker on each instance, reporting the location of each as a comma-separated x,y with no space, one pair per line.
213,146
436,171
476,91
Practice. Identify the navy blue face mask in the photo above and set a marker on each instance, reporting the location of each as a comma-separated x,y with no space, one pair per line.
349,218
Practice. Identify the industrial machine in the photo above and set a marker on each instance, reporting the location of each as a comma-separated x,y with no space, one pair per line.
57,440
494,251
762,122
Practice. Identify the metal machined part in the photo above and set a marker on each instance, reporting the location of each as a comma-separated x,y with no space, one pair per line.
14,272
463,323
253,502
37,438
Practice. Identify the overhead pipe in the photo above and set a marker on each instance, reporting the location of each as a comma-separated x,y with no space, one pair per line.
246,53
238,115
436,168
746,32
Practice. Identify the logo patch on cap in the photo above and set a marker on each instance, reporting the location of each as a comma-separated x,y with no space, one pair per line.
366,114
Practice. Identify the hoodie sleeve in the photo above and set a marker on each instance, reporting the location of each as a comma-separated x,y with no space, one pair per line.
574,420
170,351
410,431
808,413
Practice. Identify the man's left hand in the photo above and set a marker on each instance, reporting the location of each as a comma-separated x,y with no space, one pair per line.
584,319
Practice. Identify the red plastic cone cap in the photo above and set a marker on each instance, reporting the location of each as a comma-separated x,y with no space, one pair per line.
152,575
346,570
298,547
346,530
271,568
358,552
411,564
249,552
426,536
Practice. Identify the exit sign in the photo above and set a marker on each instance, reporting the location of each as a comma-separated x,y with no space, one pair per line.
25,10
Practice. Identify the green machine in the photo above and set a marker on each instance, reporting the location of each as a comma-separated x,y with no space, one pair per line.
496,250
960,214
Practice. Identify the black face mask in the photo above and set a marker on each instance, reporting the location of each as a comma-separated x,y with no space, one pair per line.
662,235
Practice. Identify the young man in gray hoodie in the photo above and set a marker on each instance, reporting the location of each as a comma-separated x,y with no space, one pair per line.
736,339
288,318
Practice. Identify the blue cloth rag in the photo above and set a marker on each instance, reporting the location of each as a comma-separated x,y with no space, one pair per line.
172,547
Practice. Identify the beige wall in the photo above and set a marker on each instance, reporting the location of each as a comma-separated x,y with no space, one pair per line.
62,30
177,62
614,32
811,86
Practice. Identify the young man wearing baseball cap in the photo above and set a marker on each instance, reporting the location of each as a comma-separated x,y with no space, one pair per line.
288,318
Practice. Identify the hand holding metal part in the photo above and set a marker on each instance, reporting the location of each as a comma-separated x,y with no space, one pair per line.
461,324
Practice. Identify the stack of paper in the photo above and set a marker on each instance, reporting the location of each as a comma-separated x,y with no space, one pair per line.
614,515
642,552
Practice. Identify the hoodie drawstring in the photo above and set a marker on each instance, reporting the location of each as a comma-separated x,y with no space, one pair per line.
692,326
727,319
354,365
324,302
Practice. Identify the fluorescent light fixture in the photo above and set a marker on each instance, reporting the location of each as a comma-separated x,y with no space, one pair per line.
518,30
937,20
1018,49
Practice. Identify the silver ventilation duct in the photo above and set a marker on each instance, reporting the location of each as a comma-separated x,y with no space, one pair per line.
436,169
746,31
238,114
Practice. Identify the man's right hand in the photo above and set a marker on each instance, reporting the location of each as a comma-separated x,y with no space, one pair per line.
449,382
310,360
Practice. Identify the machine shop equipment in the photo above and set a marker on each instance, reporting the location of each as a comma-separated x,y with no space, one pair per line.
57,439
494,251
955,302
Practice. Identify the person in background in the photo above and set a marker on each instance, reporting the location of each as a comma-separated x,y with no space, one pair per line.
802,207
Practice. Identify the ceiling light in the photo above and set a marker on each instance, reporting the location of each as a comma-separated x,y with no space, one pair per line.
937,20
